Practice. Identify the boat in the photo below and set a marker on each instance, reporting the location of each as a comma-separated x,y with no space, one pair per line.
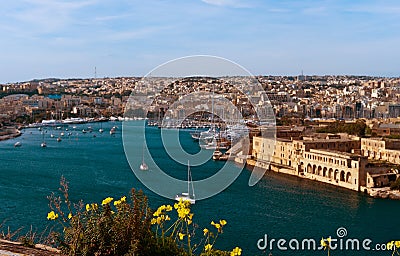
207,138
217,154
17,144
43,145
195,135
51,135
101,130
74,121
143,166
112,131
185,196
59,139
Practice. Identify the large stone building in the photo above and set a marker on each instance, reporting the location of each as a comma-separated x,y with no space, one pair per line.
386,129
336,160
381,149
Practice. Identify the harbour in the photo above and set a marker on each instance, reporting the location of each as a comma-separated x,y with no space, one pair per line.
96,167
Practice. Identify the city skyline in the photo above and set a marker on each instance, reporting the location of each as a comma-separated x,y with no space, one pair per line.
63,39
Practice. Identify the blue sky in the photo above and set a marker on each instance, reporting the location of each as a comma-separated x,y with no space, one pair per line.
66,38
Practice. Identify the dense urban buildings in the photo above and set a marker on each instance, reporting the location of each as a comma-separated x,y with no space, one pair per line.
340,130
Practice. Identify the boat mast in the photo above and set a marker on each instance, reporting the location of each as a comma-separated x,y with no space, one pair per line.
212,109
143,154
192,185
188,184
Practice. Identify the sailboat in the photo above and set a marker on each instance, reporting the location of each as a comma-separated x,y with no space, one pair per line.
185,196
207,139
101,130
143,165
43,145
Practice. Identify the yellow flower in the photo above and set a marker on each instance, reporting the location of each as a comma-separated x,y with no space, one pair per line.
222,222
217,226
153,221
236,251
207,247
323,243
69,215
91,207
181,236
205,231
183,212
123,199
116,203
52,215
168,208
397,244
107,201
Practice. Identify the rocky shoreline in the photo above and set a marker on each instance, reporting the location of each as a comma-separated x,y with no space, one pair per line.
384,193
9,133
17,249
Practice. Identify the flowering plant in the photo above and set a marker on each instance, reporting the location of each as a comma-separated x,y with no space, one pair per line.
127,226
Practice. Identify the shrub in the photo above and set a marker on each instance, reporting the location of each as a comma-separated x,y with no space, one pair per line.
128,227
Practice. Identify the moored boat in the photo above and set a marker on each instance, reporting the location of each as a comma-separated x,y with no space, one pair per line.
185,196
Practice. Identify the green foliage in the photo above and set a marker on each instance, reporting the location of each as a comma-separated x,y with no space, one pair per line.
368,131
122,229
358,128
127,227
392,136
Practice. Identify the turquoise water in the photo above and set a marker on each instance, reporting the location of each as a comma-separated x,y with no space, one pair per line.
96,167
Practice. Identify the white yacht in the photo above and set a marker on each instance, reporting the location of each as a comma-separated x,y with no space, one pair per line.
185,196
143,166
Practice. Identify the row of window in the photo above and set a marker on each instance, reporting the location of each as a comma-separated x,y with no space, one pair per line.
326,159
331,174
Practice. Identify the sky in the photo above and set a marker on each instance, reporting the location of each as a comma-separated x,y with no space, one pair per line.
69,38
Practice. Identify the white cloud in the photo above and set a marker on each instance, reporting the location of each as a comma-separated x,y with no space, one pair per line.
135,33
376,9
228,3
46,16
